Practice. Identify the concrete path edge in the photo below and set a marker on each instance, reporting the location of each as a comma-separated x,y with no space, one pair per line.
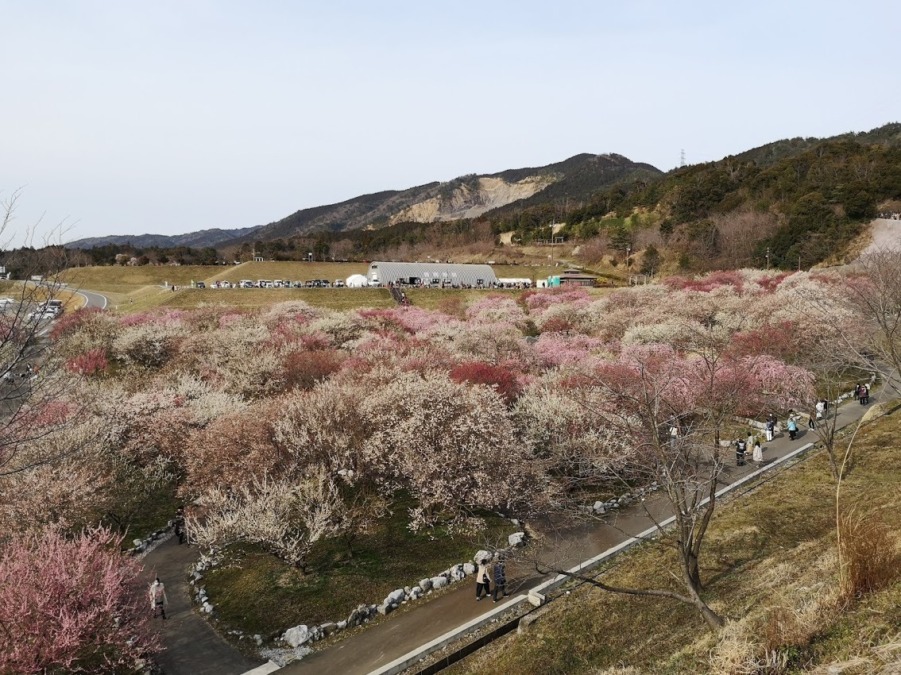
402,663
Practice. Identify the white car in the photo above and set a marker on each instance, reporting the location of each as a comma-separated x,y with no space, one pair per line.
41,315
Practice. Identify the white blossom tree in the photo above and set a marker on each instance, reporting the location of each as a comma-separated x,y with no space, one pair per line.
287,517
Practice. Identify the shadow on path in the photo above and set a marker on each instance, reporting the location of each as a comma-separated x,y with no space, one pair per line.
192,646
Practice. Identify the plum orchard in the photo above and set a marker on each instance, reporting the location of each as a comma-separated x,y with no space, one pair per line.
323,420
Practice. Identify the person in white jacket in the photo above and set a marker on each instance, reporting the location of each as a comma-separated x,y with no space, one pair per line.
483,579
158,599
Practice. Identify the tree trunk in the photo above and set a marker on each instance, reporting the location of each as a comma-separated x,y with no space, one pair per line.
714,620
693,572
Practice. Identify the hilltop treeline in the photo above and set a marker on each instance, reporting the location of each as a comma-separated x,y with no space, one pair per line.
791,203
808,198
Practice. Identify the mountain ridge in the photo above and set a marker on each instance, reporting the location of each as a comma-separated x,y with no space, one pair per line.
467,196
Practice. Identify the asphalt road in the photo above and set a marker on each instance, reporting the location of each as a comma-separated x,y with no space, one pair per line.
93,299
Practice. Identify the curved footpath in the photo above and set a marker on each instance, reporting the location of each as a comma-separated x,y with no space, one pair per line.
192,646
405,637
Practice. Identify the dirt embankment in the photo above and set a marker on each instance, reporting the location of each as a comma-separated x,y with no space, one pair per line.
884,233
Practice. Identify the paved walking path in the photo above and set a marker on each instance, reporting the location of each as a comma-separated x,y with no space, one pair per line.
192,646
400,634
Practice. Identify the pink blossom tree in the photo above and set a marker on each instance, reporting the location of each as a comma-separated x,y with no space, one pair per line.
71,604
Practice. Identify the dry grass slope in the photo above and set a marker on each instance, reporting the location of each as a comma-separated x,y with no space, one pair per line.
771,567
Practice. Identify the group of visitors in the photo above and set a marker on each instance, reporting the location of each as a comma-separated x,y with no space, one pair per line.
752,442
820,411
485,573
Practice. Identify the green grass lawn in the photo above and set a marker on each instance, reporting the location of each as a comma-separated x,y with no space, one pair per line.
131,289
333,298
769,567
257,593
123,279
118,278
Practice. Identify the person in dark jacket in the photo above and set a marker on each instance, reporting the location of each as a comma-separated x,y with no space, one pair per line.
180,526
741,447
500,579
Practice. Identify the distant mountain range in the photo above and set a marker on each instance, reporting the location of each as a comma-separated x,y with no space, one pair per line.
794,202
200,239
469,196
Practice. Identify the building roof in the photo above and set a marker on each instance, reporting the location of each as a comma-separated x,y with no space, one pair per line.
470,275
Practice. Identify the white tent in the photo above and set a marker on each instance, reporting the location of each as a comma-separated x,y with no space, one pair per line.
357,281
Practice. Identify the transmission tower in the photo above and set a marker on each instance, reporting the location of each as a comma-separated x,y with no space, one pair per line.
682,158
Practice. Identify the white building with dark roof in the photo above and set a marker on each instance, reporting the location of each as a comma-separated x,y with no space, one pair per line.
430,274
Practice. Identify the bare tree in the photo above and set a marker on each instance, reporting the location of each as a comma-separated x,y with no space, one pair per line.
670,407
873,297
641,400
31,379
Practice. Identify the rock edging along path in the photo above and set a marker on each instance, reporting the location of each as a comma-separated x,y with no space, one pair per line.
192,647
397,643
536,595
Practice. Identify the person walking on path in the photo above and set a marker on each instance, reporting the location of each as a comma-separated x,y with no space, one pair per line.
483,579
740,448
500,579
792,426
821,408
158,599
770,427
758,452
180,526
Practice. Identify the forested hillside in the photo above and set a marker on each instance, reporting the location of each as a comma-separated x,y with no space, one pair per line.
791,203
795,202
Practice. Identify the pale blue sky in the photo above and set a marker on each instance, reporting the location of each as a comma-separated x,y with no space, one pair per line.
178,115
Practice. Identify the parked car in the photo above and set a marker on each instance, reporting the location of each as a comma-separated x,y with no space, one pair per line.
200,284
41,315
339,283
52,308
